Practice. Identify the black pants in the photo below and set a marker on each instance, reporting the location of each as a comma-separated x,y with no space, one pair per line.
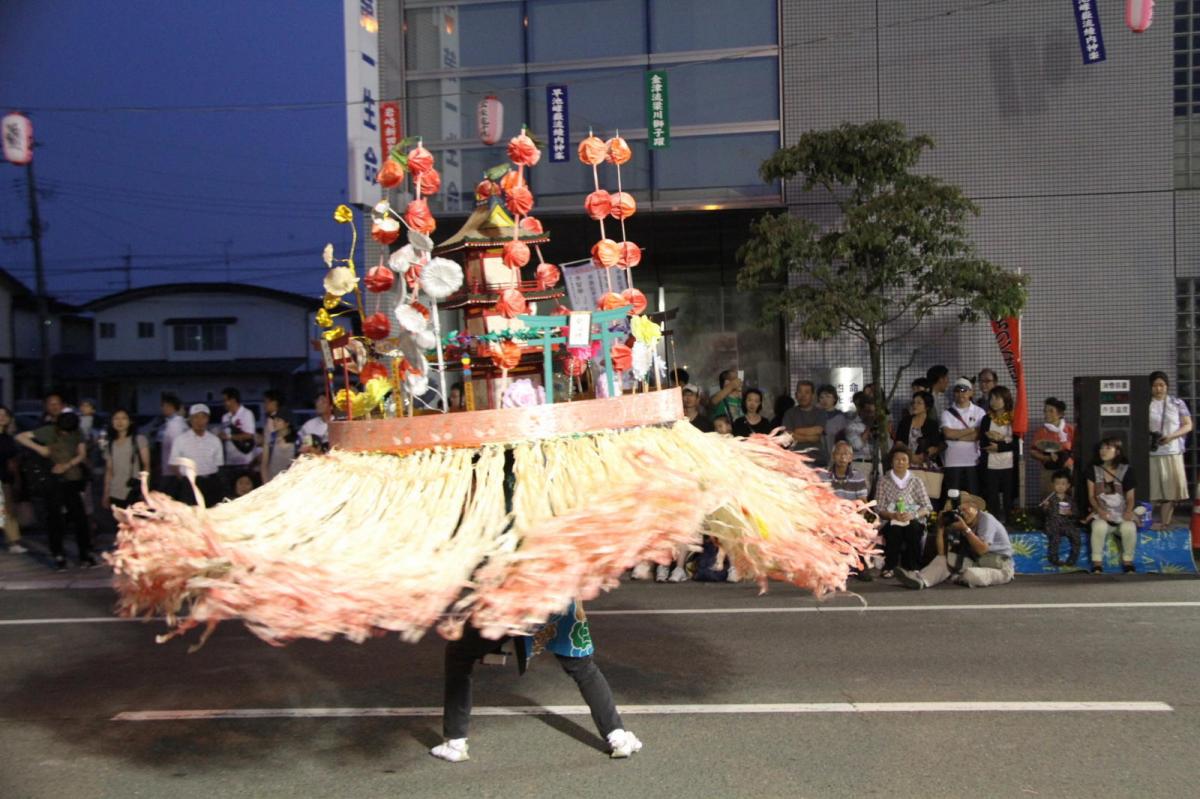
461,656
997,483
964,478
63,508
1055,532
902,545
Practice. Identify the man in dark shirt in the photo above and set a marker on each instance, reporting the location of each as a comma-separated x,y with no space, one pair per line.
691,409
806,423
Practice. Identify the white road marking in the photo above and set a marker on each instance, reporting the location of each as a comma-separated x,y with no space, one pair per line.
653,710
716,611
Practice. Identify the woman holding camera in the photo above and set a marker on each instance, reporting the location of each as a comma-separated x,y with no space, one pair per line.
126,456
973,548
901,501
1170,422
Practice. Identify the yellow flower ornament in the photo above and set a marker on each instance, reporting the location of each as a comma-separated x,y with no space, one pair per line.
342,214
645,331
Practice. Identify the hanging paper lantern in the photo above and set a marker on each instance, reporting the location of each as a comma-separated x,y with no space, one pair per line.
376,326
419,217
391,174
622,357
428,182
511,303
618,151
420,160
379,279
516,254
522,151
636,299
531,224
611,301
489,119
592,151
606,252
505,354
598,204
373,370
623,205
519,200
385,231
631,255
1139,14
547,275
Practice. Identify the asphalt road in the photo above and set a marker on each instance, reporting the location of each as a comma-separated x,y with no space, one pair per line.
63,684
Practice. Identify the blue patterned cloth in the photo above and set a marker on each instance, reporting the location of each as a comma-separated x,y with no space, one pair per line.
1160,551
565,633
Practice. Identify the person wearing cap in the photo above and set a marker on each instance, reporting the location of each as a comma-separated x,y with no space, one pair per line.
983,558
960,428
691,408
204,450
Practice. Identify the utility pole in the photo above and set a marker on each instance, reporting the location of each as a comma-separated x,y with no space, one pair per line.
128,266
43,306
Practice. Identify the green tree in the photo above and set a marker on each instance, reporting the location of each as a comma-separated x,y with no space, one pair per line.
899,254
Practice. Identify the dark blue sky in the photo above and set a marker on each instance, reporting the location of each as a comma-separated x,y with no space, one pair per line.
178,187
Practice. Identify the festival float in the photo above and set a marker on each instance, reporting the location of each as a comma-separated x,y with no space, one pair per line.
571,462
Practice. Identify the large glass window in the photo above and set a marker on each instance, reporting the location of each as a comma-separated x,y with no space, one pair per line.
455,37
711,24
200,337
722,91
714,168
568,30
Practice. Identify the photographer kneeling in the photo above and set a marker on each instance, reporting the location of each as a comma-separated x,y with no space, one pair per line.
973,549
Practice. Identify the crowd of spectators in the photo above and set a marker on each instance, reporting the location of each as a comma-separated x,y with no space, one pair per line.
76,464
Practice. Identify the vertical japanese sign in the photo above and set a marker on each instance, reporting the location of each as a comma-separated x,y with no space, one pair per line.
389,127
558,124
658,122
362,100
1087,21
451,157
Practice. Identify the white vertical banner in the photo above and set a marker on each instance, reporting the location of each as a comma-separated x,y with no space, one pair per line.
362,101
451,103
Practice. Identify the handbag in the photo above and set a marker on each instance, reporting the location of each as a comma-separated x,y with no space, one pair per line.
931,479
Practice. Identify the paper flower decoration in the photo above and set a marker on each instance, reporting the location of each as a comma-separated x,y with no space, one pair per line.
511,179
643,359
531,224
516,254
618,151
373,370
331,301
592,151
385,230
376,326
522,151
333,333
420,160
342,214
402,258
574,367
511,303
623,205
519,200
547,275
484,189
391,174
327,255
636,299
377,389
340,280
410,318
645,331
440,278
631,254
379,279
419,218
426,339
428,182
324,319
598,204
420,241
523,394
622,357
416,384
505,354
606,252
611,301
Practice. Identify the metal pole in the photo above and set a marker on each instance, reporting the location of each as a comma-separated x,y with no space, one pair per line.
43,309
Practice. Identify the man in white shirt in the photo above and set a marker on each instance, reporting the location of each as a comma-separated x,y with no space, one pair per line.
237,431
174,426
960,427
205,451
314,434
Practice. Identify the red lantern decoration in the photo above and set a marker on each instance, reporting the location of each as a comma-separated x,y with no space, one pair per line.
611,301
484,189
547,275
631,255
532,224
391,174
428,182
516,254
623,205
618,151
512,179
489,119
420,160
1139,14
379,279
519,200
636,299
622,357
592,151
511,303
375,327
386,233
606,252
574,367
372,371
598,204
505,354
419,218
522,151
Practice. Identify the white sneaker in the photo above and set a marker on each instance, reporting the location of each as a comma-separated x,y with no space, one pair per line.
641,571
623,744
661,574
678,575
16,549
454,750
732,575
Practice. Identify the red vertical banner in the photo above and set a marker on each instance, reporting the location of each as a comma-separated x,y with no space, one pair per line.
1008,338
389,126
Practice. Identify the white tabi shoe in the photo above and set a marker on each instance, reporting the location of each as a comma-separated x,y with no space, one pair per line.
453,750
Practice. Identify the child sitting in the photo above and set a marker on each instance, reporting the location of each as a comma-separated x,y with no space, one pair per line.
1061,519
